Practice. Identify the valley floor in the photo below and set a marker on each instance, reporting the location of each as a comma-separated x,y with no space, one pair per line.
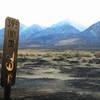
50,75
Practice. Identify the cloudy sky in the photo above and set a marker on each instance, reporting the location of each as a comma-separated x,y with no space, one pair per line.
48,12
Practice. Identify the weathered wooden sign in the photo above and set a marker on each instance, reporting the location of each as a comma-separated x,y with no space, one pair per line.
10,47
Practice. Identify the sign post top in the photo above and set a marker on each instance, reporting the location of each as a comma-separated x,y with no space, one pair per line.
7,18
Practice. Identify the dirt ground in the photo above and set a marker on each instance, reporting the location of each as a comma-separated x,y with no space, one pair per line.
53,75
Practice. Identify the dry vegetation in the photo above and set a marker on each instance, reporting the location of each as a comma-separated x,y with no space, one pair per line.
54,75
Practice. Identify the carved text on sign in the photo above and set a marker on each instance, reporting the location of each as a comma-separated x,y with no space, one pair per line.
11,43
12,23
11,33
9,78
10,63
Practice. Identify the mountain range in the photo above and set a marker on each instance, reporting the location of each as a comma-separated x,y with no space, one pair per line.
64,33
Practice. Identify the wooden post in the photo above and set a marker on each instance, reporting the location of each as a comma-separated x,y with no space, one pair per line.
9,60
7,92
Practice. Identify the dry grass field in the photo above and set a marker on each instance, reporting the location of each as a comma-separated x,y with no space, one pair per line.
55,75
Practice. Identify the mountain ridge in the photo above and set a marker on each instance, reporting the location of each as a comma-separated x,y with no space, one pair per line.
60,34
